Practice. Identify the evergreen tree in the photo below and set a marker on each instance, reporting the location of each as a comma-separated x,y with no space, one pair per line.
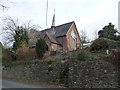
20,37
41,47
108,32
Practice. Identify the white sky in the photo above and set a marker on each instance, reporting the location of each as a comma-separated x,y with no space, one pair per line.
89,15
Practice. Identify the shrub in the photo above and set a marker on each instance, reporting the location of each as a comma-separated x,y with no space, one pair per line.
1,53
112,44
25,53
41,47
59,61
7,56
103,44
114,57
99,44
83,55
118,42
50,69
49,62
53,53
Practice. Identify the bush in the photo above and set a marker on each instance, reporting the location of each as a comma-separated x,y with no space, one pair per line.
25,53
118,44
83,55
114,57
41,47
49,62
112,44
103,44
7,56
50,69
1,53
53,53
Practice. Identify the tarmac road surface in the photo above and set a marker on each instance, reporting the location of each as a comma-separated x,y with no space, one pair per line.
15,84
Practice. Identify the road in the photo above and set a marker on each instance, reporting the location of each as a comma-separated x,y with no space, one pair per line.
16,84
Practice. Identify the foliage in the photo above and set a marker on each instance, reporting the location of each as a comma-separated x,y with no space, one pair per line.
41,47
2,5
21,38
50,69
83,36
53,53
7,55
112,44
118,44
16,36
59,61
118,40
49,62
1,52
13,29
25,53
99,44
108,32
83,55
114,57
103,44
23,62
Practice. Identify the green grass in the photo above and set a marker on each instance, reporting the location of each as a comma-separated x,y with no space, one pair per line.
99,55
73,55
92,55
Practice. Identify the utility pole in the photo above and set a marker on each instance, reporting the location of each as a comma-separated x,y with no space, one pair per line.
119,16
46,11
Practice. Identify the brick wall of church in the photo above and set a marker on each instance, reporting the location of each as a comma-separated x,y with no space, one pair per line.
69,39
52,46
66,41
63,41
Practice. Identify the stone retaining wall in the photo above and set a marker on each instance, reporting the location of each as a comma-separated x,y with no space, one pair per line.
73,74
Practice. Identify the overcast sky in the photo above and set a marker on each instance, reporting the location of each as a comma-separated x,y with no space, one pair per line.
89,15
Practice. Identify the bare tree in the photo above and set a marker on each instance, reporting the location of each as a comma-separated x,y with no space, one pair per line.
83,36
10,25
95,33
2,4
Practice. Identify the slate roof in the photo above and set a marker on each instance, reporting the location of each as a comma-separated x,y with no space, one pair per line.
60,30
33,37
52,38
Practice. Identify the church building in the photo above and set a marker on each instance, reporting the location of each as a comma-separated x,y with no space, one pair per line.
63,37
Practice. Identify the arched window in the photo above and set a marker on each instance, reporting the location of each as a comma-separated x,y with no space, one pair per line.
47,48
73,40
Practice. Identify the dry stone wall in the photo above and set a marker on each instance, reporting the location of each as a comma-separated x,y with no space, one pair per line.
70,73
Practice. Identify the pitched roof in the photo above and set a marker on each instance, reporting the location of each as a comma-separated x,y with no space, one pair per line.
60,30
52,38
33,37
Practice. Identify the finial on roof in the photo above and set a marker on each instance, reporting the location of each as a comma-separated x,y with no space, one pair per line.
53,21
